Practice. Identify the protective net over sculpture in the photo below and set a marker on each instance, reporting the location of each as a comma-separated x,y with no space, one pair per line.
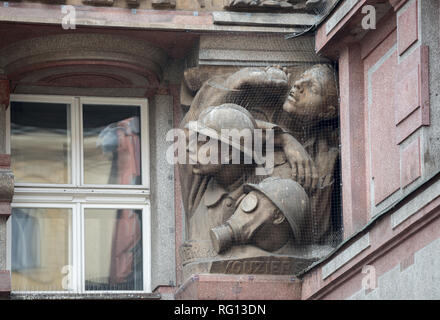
262,170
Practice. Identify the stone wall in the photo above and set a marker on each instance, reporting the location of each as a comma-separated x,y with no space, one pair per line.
390,158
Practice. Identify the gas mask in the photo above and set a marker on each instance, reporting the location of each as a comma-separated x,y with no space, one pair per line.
254,217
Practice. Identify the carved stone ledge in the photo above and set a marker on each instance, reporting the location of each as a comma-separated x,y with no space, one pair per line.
257,4
99,2
251,50
6,185
274,5
133,3
161,4
199,257
239,287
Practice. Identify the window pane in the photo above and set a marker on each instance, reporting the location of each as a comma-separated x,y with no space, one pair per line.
113,249
111,145
40,142
40,249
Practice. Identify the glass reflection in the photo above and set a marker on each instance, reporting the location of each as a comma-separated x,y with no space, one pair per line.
40,142
111,143
113,249
40,248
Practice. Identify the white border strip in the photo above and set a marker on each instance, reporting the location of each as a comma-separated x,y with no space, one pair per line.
415,204
346,255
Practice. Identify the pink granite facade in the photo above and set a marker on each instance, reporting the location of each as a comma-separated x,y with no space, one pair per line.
387,101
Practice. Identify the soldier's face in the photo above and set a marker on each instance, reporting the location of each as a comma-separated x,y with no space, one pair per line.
305,98
209,158
205,163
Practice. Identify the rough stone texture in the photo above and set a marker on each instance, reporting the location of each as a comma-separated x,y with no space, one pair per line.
420,280
163,268
430,10
229,50
239,287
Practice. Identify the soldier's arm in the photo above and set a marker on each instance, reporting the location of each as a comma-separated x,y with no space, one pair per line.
303,167
267,79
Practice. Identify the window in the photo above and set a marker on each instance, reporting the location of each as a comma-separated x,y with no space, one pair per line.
80,215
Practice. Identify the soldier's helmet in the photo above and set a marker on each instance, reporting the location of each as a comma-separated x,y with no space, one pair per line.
290,198
223,122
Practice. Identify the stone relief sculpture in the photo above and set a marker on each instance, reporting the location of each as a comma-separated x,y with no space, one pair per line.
237,219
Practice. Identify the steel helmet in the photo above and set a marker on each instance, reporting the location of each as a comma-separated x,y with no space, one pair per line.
289,197
228,117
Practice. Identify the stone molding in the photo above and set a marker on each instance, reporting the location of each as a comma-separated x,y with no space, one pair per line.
6,185
252,50
108,61
99,2
237,287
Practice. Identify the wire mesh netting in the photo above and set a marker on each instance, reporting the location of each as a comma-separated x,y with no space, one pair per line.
288,98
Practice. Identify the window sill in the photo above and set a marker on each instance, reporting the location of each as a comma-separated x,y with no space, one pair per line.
84,296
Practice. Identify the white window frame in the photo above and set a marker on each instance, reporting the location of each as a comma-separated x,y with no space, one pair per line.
78,196
77,154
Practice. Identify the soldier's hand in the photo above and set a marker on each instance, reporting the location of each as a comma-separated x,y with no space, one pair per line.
267,78
276,67
303,167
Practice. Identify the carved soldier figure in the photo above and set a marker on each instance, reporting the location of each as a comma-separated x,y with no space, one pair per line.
273,214
305,121
261,91
220,185
311,111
